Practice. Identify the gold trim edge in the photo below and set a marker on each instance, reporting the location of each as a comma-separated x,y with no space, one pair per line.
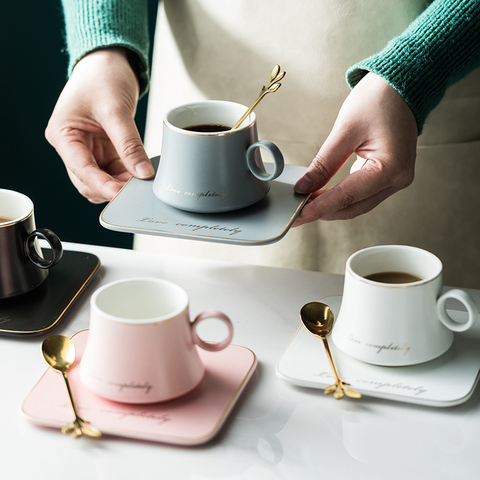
79,291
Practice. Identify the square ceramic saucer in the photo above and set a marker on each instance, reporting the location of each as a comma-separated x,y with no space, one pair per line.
445,381
136,209
42,309
192,419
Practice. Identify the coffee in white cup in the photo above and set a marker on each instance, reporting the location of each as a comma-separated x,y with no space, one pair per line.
393,312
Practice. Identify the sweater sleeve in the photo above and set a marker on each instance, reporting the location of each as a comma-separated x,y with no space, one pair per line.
437,49
92,24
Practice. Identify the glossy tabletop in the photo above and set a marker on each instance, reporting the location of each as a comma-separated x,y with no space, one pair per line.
276,431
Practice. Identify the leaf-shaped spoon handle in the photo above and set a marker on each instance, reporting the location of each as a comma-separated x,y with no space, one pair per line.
273,85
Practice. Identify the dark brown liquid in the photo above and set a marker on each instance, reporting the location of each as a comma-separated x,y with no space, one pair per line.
393,277
208,128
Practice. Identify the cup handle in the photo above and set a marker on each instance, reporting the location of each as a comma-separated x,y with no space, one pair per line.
212,346
469,303
53,241
277,160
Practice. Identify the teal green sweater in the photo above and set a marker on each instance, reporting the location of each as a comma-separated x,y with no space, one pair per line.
439,48
93,24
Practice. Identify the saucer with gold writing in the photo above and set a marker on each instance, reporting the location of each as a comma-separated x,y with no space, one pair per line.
136,209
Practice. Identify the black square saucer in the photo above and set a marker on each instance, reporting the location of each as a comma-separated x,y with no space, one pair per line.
38,311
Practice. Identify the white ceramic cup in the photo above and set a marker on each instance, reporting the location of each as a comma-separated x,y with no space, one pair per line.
395,324
142,346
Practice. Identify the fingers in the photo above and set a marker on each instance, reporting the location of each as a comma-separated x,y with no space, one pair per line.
358,193
100,162
334,153
312,211
126,140
93,183
93,129
377,124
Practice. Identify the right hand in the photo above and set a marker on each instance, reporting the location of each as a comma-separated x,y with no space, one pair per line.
92,126
377,124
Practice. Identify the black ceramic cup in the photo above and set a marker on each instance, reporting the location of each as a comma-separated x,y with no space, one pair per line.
22,265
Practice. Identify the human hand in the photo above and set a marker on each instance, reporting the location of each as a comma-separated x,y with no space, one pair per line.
377,124
92,126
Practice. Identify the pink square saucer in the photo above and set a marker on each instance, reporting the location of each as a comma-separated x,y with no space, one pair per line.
192,419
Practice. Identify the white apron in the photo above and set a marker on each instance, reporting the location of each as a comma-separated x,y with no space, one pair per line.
225,49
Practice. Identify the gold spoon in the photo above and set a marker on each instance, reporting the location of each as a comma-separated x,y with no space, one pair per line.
59,353
318,319
273,86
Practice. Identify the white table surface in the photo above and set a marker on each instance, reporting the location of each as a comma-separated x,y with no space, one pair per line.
276,431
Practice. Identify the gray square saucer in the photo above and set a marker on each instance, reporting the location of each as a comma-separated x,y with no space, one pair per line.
135,209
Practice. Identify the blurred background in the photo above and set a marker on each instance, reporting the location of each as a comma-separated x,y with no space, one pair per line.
33,73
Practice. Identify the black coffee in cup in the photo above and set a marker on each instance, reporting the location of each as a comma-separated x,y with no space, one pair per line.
208,128
393,277
397,325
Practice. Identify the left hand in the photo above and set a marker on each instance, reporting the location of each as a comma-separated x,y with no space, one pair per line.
93,129
377,124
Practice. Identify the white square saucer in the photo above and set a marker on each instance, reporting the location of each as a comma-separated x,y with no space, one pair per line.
135,209
445,381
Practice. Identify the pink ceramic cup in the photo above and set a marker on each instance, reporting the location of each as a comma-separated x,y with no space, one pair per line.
142,346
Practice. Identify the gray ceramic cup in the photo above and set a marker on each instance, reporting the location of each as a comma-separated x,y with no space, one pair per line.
213,171
22,265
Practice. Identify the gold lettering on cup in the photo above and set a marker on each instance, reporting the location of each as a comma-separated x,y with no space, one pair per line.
170,188
206,194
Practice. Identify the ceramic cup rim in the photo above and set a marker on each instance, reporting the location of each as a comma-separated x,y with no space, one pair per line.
25,209
246,124
436,266
183,302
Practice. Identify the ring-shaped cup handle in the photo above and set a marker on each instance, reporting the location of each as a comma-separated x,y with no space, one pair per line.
53,241
277,157
212,346
469,304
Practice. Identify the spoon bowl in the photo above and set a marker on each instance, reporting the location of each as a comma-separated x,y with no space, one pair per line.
59,352
318,318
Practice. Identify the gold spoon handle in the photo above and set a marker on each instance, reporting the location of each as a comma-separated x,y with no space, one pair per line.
77,427
338,380
249,111
275,76
70,395
341,389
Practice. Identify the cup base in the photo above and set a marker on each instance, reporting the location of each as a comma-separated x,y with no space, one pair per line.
390,362
23,287
99,388
387,353
208,210
211,203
